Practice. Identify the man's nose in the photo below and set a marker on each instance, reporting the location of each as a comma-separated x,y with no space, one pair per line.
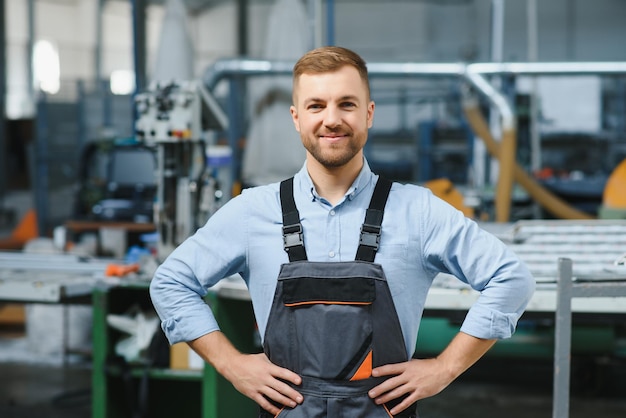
332,118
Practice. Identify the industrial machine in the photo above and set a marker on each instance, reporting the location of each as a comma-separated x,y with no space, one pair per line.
116,181
175,119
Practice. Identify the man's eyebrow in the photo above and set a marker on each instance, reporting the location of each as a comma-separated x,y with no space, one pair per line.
312,100
349,97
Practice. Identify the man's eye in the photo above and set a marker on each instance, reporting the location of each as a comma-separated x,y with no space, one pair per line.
348,104
315,106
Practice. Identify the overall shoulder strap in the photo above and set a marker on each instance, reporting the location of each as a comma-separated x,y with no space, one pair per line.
293,242
370,230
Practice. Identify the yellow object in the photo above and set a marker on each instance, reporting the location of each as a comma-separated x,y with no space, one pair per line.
184,358
506,177
614,196
444,189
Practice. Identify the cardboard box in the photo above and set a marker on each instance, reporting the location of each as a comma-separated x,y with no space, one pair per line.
12,314
184,358
12,320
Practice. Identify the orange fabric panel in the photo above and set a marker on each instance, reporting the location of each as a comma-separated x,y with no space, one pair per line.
365,369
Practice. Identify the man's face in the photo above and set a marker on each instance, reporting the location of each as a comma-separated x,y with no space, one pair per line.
332,112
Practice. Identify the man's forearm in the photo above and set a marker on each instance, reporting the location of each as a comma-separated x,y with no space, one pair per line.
462,352
215,349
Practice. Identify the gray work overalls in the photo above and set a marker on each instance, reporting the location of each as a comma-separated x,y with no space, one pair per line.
332,322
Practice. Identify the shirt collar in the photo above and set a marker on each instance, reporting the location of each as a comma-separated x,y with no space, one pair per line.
362,181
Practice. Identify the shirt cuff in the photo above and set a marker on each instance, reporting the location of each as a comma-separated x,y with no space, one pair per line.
181,329
485,323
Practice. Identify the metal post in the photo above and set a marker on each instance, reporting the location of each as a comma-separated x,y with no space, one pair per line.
139,43
491,166
41,165
31,49
533,56
562,339
330,22
242,27
314,9
98,47
3,84
81,112
235,123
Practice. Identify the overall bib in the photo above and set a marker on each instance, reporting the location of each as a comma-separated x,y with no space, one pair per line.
333,322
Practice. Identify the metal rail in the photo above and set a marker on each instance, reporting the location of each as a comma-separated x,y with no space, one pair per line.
566,290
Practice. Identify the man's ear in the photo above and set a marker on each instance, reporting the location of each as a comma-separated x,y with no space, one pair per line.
294,117
370,114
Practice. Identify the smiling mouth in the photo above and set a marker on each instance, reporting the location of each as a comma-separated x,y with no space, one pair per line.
334,137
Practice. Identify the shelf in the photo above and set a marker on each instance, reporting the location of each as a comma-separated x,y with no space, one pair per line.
172,392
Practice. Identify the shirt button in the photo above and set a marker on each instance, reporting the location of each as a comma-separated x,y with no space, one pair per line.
331,254
332,213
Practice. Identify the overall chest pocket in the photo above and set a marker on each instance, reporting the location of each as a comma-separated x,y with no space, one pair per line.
331,323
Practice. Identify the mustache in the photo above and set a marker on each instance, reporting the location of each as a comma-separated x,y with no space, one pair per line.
338,131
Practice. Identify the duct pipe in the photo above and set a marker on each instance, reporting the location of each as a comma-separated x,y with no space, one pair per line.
248,67
549,68
251,67
225,68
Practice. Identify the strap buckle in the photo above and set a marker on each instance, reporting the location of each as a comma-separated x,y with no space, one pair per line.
292,236
370,236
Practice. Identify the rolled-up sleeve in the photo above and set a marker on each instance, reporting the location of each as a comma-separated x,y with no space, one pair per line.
184,314
181,282
489,266
501,302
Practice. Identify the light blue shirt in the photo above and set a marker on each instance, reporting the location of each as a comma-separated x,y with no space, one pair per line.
421,236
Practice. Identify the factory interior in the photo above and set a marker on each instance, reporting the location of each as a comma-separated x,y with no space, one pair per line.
128,123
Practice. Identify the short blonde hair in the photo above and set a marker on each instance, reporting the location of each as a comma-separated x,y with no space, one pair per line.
328,59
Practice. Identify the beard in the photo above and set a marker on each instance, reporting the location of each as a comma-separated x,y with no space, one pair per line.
334,155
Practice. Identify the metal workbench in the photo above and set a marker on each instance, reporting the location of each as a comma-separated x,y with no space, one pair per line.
60,279
48,278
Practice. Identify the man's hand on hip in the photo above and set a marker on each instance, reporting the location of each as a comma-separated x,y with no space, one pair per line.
254,375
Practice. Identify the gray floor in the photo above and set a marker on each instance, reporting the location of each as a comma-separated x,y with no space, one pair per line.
44,391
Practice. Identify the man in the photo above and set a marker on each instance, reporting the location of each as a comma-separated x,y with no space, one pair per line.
337,272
